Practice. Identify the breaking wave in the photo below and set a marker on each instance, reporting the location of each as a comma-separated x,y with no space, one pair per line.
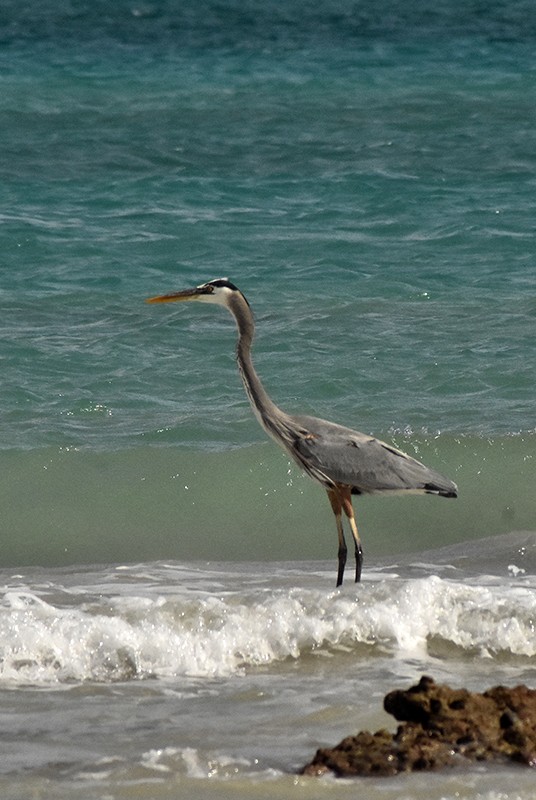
201,634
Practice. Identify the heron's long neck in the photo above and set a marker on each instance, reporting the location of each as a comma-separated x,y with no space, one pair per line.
265,409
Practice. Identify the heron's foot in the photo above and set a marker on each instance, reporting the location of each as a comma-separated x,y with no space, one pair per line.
358,562
342,563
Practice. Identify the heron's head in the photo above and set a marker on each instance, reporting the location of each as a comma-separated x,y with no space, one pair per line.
220,291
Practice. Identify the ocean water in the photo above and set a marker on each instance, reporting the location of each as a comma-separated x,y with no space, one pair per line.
366,174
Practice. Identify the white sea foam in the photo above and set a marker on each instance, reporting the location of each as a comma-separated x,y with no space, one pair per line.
201,635
200,765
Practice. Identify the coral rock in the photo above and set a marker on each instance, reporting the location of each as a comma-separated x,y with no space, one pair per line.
442,727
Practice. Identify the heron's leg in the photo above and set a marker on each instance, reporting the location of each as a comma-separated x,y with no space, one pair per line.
336,504
349,511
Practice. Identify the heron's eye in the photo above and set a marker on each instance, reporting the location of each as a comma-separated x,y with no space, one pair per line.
210,289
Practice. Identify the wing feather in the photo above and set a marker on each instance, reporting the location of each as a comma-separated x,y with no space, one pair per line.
333,454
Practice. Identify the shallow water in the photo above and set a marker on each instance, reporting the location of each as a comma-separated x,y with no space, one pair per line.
152,679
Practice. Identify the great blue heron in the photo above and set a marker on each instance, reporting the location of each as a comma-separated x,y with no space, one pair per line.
343,461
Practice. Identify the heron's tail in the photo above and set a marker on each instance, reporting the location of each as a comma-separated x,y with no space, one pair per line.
446,489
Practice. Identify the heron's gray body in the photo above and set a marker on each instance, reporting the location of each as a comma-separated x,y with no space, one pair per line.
363,462
342,460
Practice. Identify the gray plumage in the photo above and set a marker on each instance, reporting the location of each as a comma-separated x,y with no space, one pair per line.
368,465
342,460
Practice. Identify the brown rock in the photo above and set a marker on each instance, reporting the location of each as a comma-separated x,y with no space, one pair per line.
442,727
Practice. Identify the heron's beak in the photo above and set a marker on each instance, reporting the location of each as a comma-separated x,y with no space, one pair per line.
186,294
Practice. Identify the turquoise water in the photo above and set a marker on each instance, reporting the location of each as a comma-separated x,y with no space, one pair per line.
365,173
374,201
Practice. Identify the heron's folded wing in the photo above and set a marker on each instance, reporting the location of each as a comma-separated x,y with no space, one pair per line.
365,463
